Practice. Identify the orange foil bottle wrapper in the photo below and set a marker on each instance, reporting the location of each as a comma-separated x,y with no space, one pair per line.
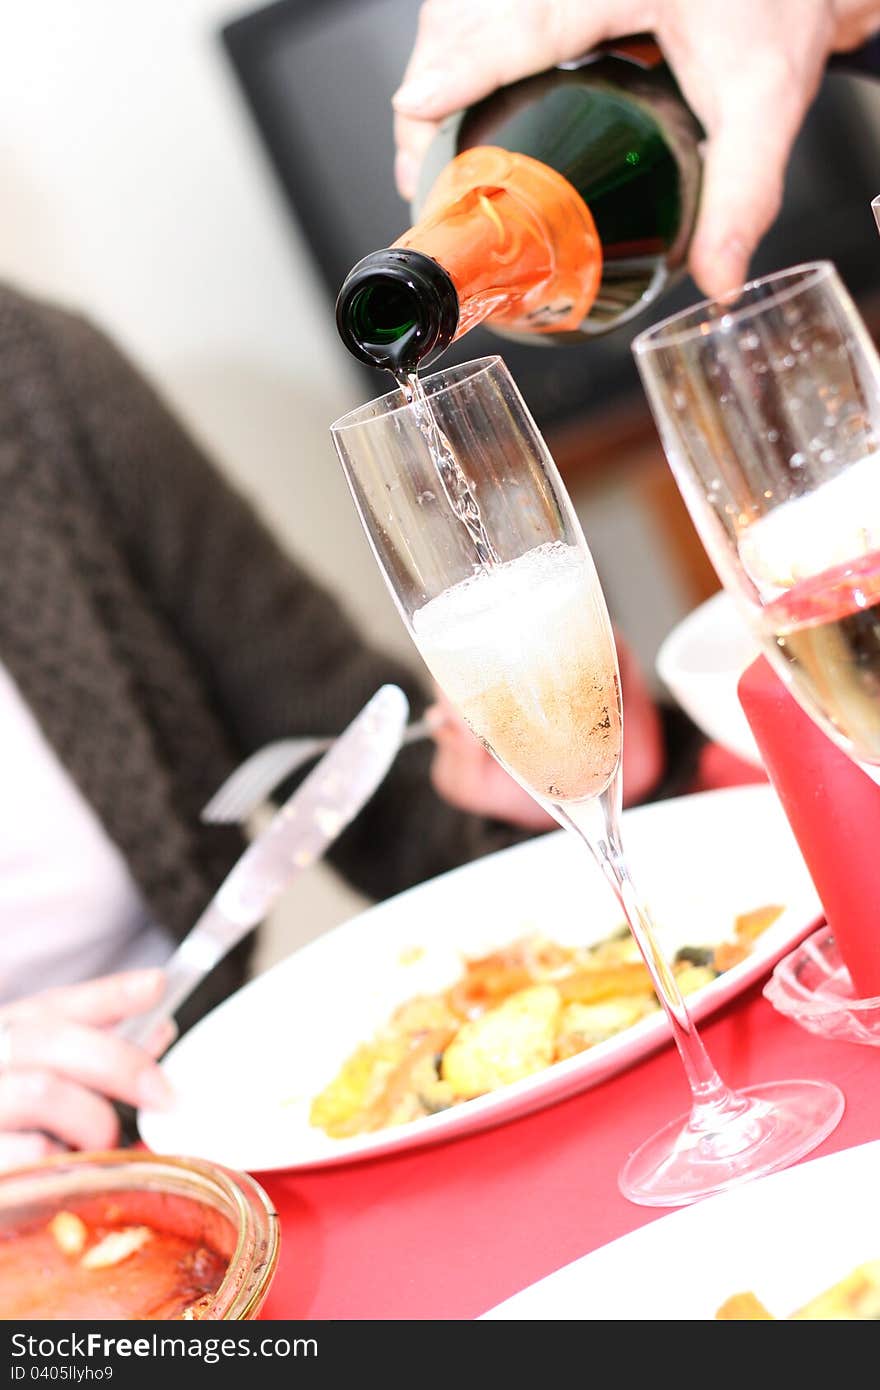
833,808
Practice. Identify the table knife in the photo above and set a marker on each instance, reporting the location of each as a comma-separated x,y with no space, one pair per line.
298,834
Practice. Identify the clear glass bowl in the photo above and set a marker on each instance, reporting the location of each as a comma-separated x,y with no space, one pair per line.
201,1202
812,986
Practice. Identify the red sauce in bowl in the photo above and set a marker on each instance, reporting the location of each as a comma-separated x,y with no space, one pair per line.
128,1234
113,1255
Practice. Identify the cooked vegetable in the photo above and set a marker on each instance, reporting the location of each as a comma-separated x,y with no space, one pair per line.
513,1040
857,1296
743,1307
513,1012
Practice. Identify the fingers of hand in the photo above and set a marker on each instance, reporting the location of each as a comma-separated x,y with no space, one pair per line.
447,727
749,72
99,1060
465,775
161,1037
57,1077
100,1002
411,138
741,194
459,773
20,1148
436,717
32,1099
464,49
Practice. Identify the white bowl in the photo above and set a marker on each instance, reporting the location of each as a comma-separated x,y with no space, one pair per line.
700,663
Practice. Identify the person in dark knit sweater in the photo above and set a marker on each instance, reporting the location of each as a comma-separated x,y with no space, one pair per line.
152,633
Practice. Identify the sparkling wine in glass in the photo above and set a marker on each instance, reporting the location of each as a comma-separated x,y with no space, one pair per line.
768,405
487,562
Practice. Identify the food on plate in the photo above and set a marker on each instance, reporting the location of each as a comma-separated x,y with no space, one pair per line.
94,1260
857,1296
512,1013
508,1042
743,1307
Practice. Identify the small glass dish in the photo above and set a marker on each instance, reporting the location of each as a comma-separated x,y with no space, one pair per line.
812,986
211,1251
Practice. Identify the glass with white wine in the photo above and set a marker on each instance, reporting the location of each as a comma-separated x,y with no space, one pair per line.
484,555
768,406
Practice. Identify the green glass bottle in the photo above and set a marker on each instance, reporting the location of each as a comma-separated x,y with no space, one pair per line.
553,210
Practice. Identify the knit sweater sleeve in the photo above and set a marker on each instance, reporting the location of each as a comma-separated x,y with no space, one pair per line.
275,650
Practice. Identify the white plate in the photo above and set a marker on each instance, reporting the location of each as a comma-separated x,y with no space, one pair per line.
246,1074
786,1238
701,661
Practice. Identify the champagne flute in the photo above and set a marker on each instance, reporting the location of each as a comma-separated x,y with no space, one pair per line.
474,532
768,405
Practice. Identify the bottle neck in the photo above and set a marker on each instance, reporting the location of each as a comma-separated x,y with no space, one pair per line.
501,236
397,308
515,238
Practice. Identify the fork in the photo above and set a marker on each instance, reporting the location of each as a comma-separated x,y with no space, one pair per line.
245,789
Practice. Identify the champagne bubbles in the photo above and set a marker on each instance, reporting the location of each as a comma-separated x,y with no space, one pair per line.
525,652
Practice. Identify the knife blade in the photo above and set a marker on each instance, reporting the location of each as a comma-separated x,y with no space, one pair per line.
304,828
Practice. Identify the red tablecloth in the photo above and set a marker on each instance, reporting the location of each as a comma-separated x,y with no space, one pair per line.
448,1231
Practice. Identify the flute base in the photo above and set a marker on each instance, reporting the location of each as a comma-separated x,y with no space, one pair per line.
766,1128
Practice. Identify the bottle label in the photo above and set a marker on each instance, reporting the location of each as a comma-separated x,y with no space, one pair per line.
517,239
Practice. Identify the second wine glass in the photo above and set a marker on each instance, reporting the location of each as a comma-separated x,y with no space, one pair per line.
484,555
768,405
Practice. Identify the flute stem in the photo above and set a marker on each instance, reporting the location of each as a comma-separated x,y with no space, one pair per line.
597,825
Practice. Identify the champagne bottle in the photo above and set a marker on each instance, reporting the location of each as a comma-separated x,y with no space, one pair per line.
555,209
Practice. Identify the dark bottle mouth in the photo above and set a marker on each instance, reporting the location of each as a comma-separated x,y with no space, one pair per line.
397,309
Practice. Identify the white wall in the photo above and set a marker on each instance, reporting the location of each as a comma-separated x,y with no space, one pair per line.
134,187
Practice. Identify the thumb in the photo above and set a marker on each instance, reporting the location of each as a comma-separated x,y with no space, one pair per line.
466,48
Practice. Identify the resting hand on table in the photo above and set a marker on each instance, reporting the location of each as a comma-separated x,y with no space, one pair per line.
748,69
467,776
62,1066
